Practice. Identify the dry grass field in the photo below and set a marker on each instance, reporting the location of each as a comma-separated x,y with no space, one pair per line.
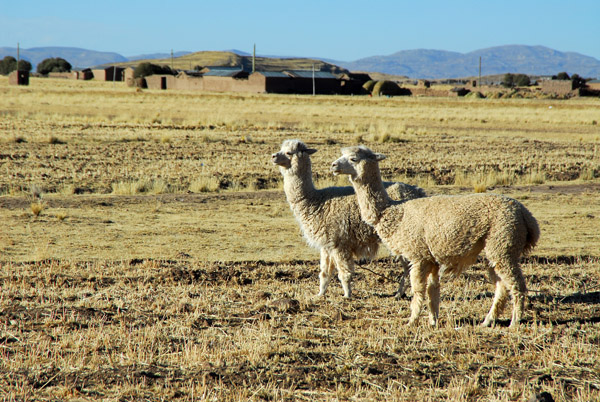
147,251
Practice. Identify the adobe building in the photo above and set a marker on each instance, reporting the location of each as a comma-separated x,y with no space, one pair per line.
189,80
593,85
557,87
160,81
226,80
592,88
128,73
85,74
274,82
18,77
66,75
112,73
236,79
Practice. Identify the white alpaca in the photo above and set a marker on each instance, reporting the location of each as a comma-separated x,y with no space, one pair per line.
445,234
329,218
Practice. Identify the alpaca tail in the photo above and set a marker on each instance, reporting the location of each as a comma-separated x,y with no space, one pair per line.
533,230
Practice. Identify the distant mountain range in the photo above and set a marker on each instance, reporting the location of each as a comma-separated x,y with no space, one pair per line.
78,58
419,63
431,64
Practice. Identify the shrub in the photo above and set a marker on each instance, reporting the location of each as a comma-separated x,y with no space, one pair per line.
386,88
512,80
53,65
368,86
145,69
7,65
37,207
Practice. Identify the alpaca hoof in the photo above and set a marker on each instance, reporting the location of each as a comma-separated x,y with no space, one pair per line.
486,324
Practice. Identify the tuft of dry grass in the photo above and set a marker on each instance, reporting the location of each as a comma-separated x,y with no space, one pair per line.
204,184
37,207
54,140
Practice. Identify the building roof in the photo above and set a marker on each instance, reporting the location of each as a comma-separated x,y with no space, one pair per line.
309,74
222,72
270,74
190,73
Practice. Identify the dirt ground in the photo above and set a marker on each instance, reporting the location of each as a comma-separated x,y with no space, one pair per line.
185,330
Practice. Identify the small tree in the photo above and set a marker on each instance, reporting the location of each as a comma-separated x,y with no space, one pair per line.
53,65
145,69
562,76
515,80
24,65
522,80
508,81
7,65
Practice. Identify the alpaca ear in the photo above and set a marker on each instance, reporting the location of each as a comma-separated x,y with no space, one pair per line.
310,151
379,157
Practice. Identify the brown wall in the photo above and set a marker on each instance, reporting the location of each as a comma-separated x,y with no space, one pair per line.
107,74
160,82
559,87
128,73
85,75
72,75
188,83
18,78
595,86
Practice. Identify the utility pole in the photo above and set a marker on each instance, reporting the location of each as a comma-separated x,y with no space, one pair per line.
479,83
254,59
313,79
171,59
18,55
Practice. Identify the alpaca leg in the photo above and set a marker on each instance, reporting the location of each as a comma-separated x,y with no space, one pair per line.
511,280
518,290
327,267
500,298
402,287
418,282
433,291
345,268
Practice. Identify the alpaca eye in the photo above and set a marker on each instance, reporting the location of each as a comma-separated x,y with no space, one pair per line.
289,153
353,160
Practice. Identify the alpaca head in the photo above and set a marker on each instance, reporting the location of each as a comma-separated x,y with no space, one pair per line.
356,162
292,154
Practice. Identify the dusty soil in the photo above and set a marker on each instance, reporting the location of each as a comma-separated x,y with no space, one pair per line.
67,330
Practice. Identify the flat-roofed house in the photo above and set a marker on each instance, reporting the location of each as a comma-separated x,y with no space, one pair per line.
18,77
112,73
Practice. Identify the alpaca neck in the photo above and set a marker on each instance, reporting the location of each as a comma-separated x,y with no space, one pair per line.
371,195
297,183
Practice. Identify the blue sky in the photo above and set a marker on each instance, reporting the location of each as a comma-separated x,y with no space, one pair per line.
339,30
